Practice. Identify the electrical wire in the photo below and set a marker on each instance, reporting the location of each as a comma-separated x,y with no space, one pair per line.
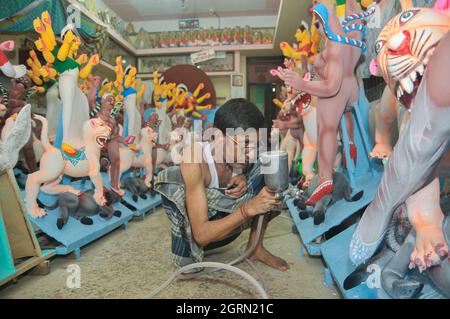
218,266
215,266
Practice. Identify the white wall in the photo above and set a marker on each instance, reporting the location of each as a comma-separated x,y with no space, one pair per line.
206,23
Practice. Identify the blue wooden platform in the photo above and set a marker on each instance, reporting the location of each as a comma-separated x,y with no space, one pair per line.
335,254
365,176
75,235
142,206
335,214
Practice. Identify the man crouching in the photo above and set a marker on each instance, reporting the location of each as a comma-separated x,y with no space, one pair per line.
214,195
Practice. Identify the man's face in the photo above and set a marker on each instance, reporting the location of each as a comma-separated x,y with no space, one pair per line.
241,149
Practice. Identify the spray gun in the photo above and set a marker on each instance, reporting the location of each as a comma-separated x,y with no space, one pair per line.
275,168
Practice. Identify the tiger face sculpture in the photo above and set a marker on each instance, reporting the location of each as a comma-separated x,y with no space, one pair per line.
405,46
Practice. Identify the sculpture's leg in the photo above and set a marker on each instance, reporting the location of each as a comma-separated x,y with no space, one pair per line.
351,135
290,145
412,163
96,178
385,115
393,274
53,110
114,170
309,154
425,214
54,188
30,156
134,125
67,87
148,164
63,217
52,166
329,112
320,209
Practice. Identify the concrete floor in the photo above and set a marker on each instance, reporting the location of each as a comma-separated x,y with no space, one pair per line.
132,263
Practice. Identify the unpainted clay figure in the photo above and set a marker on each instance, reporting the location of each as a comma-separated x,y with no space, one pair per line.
419,39
337,89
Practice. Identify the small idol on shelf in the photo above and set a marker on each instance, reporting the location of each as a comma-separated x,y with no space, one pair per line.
209,36
226,37
247,35
157,42
237,36
257,37
173,42
192,42
183,40
201,38
215,38
140,39
129,30
164,40
268,38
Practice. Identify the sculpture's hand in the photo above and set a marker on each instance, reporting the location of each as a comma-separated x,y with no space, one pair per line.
282,125
130,139
289,64
278,72
293,79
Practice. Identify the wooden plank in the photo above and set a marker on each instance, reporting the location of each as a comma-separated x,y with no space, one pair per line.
22,240
28,264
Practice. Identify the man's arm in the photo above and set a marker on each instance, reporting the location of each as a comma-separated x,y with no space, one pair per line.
204,231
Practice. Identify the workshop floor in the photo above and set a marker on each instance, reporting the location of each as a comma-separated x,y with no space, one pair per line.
132,263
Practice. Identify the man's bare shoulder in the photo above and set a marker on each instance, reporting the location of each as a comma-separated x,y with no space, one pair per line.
191,166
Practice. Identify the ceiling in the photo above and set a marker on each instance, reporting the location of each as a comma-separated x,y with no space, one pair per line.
141,10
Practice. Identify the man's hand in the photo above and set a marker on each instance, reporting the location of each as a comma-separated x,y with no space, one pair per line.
262,203
237,186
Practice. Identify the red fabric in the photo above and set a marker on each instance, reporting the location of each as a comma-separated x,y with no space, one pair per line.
3,58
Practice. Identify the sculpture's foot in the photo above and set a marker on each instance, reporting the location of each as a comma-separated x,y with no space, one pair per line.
148,183
308,178
37,212
429,249
360,251
70,189
99,198
118,191
381,151
324,189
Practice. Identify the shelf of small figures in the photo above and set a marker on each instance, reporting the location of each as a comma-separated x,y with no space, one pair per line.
149,76
165,51
234,48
